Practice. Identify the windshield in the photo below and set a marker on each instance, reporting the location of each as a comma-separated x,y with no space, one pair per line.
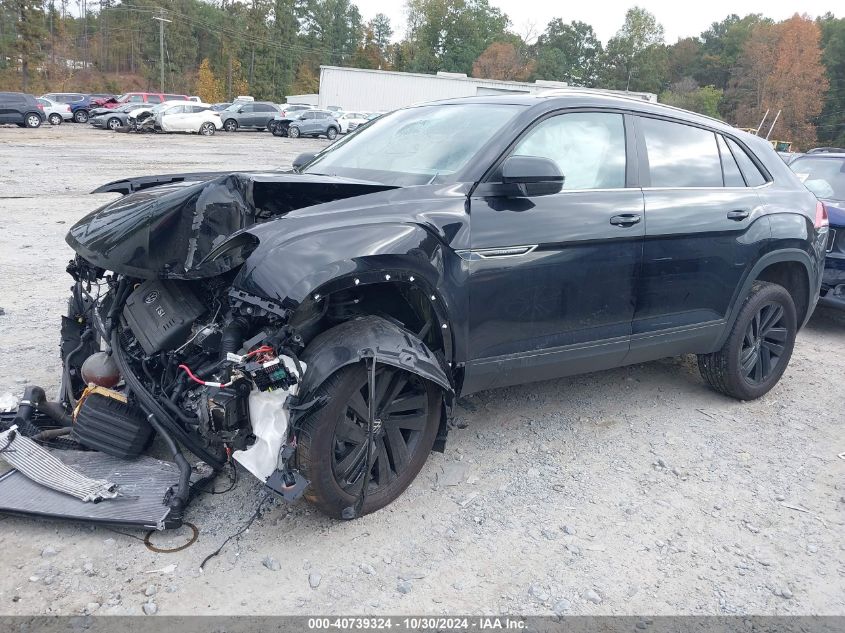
825,177
415,145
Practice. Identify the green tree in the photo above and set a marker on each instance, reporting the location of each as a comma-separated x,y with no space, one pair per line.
635,58
688,95
568,52
27,18
333,29
450,35
831,123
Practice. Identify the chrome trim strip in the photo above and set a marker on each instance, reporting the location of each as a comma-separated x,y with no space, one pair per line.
496,253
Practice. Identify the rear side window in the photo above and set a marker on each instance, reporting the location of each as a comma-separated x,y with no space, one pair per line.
173,97
733,177
588,147
681,155
751,172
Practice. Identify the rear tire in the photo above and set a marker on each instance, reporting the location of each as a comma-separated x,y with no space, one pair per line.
332,441
331,133
207,129
32,120
278,130
80,116
55,119
113,124
758,349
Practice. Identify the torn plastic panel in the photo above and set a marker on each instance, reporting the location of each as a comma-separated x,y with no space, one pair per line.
269,417
170,229
354,340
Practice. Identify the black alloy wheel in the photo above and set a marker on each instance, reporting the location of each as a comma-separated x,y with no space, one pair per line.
332,442
401,416
757,350
763,344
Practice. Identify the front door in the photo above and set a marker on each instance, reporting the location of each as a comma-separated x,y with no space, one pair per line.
552,277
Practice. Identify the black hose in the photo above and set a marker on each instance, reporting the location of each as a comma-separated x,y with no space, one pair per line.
56,412
51,434
183,491
151,406
233,336
34,399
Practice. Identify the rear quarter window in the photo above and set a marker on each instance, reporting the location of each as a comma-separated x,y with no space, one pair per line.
753,175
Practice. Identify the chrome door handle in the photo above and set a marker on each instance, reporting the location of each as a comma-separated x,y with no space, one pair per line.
738,215
625,219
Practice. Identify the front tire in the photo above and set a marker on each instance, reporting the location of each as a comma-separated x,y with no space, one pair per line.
80,116
230,125
293,132
759,347
332,442
55,119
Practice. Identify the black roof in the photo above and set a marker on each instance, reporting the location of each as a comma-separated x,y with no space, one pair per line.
575,98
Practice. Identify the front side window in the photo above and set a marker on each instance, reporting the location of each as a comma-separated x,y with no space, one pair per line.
136,99
681,155
153,99
588,147
247,108
175,110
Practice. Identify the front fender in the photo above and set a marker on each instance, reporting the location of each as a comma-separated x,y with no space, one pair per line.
314,263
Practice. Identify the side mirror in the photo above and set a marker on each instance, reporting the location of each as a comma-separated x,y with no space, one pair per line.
303,159
533,175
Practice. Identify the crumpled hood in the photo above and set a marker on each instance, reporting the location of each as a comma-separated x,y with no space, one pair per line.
168,230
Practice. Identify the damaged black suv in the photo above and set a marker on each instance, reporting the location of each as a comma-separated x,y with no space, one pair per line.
315,326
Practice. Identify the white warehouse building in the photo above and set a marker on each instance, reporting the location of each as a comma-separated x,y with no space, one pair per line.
384,90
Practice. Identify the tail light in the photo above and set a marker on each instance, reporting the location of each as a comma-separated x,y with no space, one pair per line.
40,106
822,220
67,108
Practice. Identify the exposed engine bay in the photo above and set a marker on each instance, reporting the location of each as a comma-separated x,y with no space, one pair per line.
170,336
180,359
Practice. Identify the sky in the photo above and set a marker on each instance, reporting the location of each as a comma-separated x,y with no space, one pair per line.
680,18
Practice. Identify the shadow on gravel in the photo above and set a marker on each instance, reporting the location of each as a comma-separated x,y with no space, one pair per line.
828,321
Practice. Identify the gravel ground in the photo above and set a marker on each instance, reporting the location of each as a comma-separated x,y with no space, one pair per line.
633,491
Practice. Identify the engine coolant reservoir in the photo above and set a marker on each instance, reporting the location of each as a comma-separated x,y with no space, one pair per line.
100,369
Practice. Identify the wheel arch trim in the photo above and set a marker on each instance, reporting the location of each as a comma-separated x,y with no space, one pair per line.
785,255
369,337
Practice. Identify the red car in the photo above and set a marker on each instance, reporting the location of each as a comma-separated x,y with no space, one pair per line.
142,97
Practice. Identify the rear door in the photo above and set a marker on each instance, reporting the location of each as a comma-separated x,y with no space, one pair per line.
705,226
552,277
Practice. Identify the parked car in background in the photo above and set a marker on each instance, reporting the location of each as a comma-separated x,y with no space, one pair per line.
822,170
218,107
255,115
188,116
55,112
147,97
21,109
314,123
80,104
113,119
289,109
349,121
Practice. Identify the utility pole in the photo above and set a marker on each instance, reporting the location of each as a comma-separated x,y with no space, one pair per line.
161,22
